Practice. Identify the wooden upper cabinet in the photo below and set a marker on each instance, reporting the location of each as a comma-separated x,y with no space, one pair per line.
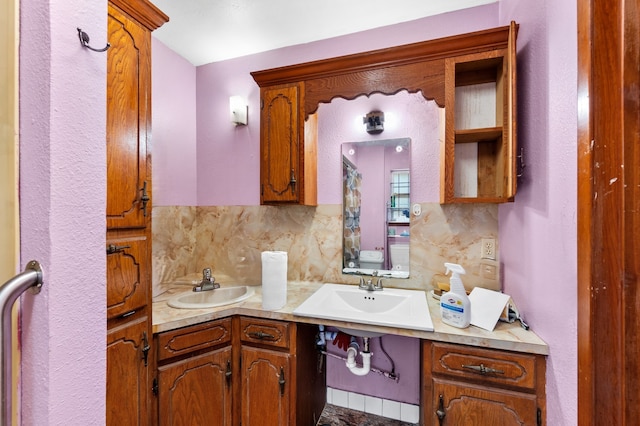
128,122
471,75
478,163
287,148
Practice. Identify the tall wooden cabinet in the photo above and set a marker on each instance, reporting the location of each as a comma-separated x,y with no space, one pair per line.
128,212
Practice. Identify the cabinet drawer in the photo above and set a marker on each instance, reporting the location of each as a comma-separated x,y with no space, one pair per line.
266,332
189,339
486,365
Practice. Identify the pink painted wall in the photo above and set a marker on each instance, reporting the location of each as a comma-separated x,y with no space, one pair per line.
174,128
406,116
538,232
62,202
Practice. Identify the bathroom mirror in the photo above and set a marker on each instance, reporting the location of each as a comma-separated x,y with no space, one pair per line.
376,190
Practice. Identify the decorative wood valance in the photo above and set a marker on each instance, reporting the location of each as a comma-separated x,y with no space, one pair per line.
412,67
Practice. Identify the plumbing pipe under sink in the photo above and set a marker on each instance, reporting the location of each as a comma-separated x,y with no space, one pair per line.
352,352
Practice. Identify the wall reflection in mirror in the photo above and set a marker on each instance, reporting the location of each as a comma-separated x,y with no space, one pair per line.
376,194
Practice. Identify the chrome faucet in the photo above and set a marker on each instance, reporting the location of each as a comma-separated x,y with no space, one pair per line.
208,281
369,285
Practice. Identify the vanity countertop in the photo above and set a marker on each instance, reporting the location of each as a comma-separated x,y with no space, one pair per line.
505,336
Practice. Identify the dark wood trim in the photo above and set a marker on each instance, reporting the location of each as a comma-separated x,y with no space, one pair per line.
412,67
441,48
143,11
584,243
609,213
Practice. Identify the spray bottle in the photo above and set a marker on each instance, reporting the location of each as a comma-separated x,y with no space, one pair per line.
455,306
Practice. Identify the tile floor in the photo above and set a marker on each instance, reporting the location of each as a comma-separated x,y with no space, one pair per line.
332,415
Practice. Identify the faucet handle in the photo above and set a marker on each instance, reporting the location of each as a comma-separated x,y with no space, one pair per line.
362,284
381,280
206,275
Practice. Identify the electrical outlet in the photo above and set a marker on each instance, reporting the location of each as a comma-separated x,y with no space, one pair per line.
488,249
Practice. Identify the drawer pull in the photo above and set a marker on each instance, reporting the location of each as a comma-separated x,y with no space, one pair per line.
281,381
261,335
482,369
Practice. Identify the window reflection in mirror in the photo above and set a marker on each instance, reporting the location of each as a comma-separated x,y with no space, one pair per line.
376,185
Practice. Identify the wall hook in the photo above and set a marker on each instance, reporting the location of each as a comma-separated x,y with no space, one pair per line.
84,40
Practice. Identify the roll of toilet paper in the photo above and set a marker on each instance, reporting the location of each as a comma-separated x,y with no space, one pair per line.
274,280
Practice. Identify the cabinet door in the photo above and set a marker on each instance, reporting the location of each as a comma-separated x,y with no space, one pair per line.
127,275
196,391
458,403
128,122
265,387
478,163
127,374
280,127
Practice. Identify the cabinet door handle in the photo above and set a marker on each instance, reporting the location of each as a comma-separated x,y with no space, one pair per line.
282,381
260,335
228,372
293,181
112,248
482,369
440,411
145,348
144,198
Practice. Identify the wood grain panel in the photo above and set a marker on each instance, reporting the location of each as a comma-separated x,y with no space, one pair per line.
128,121
609,213
194,338
126,368
196,391
264,332
127,276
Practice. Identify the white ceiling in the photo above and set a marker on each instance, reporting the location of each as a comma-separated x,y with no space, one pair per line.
205,31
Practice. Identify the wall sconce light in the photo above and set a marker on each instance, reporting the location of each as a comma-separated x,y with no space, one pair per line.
374,122
239,110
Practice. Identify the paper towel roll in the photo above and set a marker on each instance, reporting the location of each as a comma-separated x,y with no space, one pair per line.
274,280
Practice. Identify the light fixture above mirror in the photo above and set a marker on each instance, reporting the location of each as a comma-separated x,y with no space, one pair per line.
374,122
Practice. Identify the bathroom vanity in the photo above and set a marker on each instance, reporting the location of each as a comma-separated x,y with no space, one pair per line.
241,363
258,370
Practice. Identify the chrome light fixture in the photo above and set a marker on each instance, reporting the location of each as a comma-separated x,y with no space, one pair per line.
374,122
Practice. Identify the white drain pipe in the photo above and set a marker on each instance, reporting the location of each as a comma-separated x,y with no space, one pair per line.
352,352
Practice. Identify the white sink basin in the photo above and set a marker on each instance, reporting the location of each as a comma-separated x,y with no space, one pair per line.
212,298
390,307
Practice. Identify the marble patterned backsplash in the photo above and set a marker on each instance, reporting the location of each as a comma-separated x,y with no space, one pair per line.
230,239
